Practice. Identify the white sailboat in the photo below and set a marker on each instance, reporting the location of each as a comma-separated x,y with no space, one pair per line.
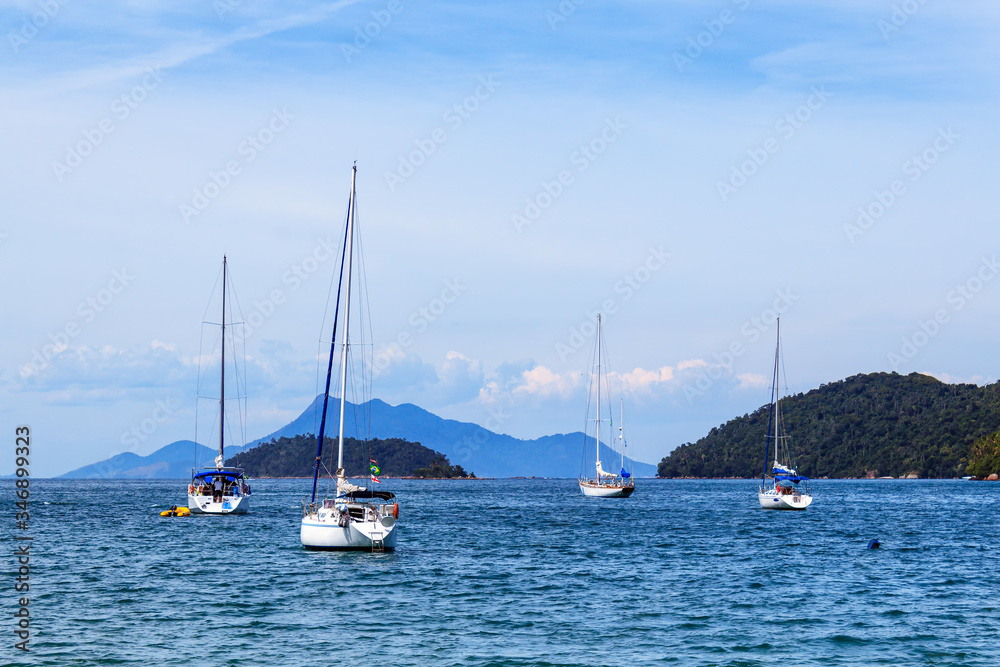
784,489
603,484
220,489
355,517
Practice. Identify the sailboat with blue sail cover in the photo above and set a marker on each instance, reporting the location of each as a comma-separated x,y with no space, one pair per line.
354,517
781,487
222,489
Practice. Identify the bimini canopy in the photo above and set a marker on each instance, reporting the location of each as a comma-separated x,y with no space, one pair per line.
212,474
384,495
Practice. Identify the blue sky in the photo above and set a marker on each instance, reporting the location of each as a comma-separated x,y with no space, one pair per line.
688,168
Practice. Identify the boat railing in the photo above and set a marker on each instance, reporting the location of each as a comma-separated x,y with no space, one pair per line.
355,509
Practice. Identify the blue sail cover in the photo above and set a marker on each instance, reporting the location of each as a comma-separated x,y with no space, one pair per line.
791,478
209,474
625,475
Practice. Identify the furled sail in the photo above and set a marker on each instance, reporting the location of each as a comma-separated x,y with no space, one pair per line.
343,486
601,472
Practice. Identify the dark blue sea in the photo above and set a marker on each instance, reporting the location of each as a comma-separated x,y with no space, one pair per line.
517,572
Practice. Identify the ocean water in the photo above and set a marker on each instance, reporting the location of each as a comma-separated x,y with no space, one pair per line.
518,572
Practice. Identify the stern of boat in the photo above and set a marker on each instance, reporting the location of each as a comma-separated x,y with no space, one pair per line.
770,500
230,505
350,527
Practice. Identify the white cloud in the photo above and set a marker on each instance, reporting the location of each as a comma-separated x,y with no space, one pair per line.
645,381
752,381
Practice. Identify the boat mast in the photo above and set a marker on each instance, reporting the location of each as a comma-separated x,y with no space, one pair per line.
222,385
598,466
347,318
333,347
771,415
777,389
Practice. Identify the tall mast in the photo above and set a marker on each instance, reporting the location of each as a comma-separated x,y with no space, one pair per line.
347,318
777,390
333,347
777,387
598,393
222,382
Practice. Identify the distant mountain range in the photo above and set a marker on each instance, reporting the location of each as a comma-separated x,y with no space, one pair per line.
475,448
173,461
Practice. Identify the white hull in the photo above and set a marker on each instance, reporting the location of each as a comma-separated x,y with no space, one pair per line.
770,500
229,505
322,530
606,490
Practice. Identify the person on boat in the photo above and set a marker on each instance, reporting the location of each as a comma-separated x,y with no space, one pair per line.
217,496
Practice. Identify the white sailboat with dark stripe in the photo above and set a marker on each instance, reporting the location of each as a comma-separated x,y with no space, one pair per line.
781,487
604,484
355,516
221,489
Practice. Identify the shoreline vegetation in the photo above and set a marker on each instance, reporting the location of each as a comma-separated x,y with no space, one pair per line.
868,426
295,458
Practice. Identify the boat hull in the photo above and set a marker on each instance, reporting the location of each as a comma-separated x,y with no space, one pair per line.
783,501
229,505
606,490
324,532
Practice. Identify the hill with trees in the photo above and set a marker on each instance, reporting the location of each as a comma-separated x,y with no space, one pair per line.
869,425
984,457
296,456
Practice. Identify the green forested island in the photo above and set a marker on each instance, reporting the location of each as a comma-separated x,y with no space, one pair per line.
296,456
874,425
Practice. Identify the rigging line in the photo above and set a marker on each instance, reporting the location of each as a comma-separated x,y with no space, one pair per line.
201,379
770,414
212,296
364,311
607,392
784,374
591,390
240,379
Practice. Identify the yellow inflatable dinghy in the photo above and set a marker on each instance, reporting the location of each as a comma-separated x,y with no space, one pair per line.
176,511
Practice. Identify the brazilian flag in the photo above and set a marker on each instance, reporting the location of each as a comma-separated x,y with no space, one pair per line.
374,468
